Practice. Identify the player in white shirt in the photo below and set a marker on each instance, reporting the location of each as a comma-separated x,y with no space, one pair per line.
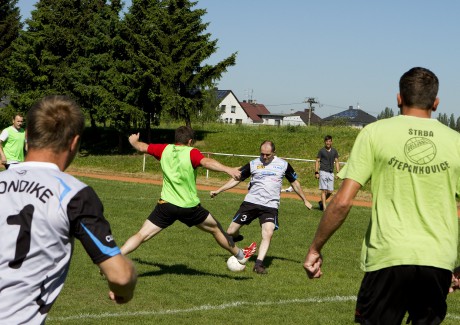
263,199
42,210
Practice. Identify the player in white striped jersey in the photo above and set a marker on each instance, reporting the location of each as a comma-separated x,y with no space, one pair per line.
263,199
42,210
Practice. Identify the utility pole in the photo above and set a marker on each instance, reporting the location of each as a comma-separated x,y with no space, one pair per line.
310,101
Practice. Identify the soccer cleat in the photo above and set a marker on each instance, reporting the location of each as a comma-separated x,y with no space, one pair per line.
259,269
287,190
238,238
320,203
248,252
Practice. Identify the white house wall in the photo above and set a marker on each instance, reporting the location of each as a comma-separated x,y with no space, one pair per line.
293,120
235,115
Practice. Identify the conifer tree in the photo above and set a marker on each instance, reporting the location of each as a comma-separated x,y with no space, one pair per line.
386,113
10,26
170,46
452,121
44,51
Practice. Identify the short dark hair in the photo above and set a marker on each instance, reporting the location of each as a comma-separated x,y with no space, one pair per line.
418,87
18,114
271,143
183,134
327,137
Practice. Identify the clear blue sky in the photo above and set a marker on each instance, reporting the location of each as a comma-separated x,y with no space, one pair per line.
340,52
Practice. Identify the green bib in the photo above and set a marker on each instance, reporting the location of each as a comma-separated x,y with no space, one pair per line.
179,177
13,147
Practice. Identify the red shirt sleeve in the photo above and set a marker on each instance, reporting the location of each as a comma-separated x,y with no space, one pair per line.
195,157
156,150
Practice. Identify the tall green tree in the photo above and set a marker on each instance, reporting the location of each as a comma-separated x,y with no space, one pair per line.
442,117
169,48
95,77
10,26
74,47
386,113
452,121
44,51
141,74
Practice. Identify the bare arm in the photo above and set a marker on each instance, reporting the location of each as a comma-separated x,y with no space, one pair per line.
317,168
337,165
298,189
216,166
2,154
138,145
333,218
121,277
231,183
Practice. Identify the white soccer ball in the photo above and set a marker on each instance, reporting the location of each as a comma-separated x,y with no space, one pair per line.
235,266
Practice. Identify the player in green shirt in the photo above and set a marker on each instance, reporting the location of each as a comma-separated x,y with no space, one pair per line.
410,247
12,142
179,199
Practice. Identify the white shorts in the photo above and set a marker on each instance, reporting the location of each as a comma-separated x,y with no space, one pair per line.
326,181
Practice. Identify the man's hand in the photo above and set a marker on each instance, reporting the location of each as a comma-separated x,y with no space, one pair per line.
137,144
133,139
312,264
308,205
119,299
213,194
455,285
234,173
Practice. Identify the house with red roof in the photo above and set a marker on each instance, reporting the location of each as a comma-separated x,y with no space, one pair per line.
255,111
250,112
235,112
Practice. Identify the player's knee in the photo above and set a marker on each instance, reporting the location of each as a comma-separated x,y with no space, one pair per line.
267,234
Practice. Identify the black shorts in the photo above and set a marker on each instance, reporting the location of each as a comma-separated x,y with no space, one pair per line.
387,294
250,211
165,214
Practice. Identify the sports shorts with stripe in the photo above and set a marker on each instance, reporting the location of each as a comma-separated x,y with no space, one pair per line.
250,211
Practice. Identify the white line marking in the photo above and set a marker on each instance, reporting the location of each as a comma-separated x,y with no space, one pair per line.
204,307
213,307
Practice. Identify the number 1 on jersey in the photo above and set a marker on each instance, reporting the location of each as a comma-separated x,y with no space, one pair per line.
24,221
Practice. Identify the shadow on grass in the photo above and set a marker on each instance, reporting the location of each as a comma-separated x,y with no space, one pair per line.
268,260
182,269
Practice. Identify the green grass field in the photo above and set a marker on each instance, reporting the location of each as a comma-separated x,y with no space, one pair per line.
183,277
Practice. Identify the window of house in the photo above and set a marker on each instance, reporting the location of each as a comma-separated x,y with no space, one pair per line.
233,109
238,121
231,121
222,108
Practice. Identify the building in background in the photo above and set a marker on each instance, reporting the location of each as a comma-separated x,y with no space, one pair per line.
351,117
303,118
235,112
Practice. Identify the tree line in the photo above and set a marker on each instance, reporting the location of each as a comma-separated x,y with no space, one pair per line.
451,121
124,68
